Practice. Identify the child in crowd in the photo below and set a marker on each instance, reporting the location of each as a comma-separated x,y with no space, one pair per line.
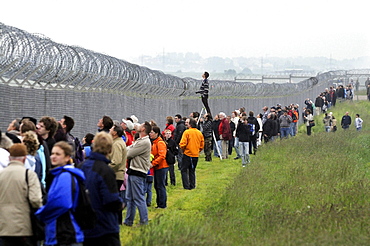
172,147
358,122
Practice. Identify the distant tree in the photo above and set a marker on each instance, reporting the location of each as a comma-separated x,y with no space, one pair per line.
230,72
246,71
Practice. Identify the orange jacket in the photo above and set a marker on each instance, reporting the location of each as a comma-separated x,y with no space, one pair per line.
192,142
159,150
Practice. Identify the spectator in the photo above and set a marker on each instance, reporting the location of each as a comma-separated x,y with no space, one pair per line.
61,199
47,128
225,134
192,142
180,128
105,124
171,146
139,159
309,118
87,142
244,132
346,121
118,157
15,222
358,122
105,199
32,144
159,151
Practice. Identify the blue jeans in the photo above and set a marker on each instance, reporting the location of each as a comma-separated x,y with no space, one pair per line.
284,132
160,186
236,146
293,128
148,189
244,152
188,171
217,149
135,197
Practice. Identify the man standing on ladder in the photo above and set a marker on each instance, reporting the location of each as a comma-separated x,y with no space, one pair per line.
204,92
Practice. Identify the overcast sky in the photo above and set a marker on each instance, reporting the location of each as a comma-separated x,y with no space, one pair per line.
128,29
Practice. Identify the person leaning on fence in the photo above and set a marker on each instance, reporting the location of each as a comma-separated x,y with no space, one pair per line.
15,196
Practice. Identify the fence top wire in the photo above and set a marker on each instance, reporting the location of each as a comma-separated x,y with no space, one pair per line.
34,57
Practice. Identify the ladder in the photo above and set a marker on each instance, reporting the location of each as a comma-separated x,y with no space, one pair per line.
213,133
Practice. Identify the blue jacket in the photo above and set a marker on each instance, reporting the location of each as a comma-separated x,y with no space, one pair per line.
60,225
105,199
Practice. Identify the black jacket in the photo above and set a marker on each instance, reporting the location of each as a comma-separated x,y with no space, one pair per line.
215,125
179,130
243,132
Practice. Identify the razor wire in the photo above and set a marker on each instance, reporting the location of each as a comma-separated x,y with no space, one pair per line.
36,61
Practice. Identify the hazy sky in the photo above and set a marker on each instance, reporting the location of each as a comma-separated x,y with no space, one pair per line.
127,29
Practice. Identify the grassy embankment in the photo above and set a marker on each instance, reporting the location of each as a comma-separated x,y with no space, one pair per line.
307,190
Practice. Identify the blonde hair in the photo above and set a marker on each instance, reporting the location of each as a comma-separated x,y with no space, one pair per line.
103,143
31,142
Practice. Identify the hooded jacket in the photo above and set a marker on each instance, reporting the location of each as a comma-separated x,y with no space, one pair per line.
104,196
60,224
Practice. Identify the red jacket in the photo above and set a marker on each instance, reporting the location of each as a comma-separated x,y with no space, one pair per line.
171,127
224,129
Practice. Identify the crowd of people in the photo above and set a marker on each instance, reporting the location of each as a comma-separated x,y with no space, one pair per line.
119,163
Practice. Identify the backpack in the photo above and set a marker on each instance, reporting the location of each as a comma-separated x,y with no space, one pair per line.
170,155
251,129
84,213
79,152
78,149
294,116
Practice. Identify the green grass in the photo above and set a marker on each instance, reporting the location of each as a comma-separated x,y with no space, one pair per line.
307,190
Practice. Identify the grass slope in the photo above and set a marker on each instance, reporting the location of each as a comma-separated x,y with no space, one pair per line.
307,190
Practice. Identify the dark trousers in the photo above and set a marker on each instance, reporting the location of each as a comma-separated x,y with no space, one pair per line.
179,158
205,103
188,171
119,184
172,174
308,130
231,145
252,143
106,240
21,241
160,186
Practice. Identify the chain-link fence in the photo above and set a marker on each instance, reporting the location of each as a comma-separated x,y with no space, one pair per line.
40,77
